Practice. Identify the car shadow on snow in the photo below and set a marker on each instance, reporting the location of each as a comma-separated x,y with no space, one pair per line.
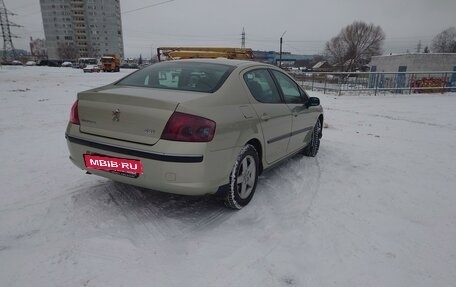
116,205
125,208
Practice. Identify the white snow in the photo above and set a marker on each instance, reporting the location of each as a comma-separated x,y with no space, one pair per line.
376,207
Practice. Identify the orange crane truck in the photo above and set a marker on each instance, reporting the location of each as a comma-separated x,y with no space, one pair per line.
174,53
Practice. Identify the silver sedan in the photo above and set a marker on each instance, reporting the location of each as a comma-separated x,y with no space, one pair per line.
194,127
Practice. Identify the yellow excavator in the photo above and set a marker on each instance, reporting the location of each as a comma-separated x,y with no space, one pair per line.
175,53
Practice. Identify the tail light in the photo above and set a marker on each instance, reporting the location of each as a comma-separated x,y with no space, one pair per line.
188,128
74,116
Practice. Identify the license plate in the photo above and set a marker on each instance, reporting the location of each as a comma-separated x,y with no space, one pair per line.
106,163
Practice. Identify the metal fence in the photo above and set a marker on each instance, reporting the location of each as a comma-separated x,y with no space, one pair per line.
378,82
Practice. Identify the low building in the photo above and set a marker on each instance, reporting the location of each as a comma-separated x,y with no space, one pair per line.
407,71
272,57
414,63
322,66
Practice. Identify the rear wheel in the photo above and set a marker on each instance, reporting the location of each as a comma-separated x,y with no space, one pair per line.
243,178
312,148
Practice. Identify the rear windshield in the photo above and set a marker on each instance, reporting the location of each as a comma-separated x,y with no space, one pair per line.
180,75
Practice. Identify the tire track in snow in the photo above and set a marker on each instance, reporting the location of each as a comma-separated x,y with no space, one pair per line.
284,198
39,201
301,176
140,215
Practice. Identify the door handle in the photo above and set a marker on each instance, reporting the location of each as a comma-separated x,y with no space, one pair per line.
265,117
295,114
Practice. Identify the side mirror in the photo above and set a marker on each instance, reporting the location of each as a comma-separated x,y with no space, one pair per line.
313,102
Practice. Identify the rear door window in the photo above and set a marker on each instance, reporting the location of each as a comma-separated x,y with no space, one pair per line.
290,90
261,86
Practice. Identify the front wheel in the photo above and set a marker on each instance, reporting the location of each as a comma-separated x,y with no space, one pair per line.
243,178
312,148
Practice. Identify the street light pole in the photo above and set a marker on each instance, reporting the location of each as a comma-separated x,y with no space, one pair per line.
281,41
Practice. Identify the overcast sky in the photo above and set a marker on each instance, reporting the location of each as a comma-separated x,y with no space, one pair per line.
308,24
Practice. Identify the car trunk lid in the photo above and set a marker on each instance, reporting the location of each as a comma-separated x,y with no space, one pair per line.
132,114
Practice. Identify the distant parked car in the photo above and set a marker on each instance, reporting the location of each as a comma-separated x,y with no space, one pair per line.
16,63
91,69
49,63
129,66
30,63
194,127
67,64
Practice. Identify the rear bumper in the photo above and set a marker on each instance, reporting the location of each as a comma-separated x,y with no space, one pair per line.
195,171
134,152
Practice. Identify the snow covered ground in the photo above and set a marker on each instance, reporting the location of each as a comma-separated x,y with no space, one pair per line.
376,207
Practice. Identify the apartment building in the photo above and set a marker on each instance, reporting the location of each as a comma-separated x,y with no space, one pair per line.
82,28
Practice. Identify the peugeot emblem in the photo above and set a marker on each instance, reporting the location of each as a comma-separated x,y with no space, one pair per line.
115,115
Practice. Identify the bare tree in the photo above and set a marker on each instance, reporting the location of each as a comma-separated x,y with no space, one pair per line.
67,51
336,49
355,45
445,41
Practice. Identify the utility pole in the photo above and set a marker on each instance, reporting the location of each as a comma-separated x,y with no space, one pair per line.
151,53
243,38
5,25
281,41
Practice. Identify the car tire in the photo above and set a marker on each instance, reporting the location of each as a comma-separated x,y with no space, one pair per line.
243,178
312,148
